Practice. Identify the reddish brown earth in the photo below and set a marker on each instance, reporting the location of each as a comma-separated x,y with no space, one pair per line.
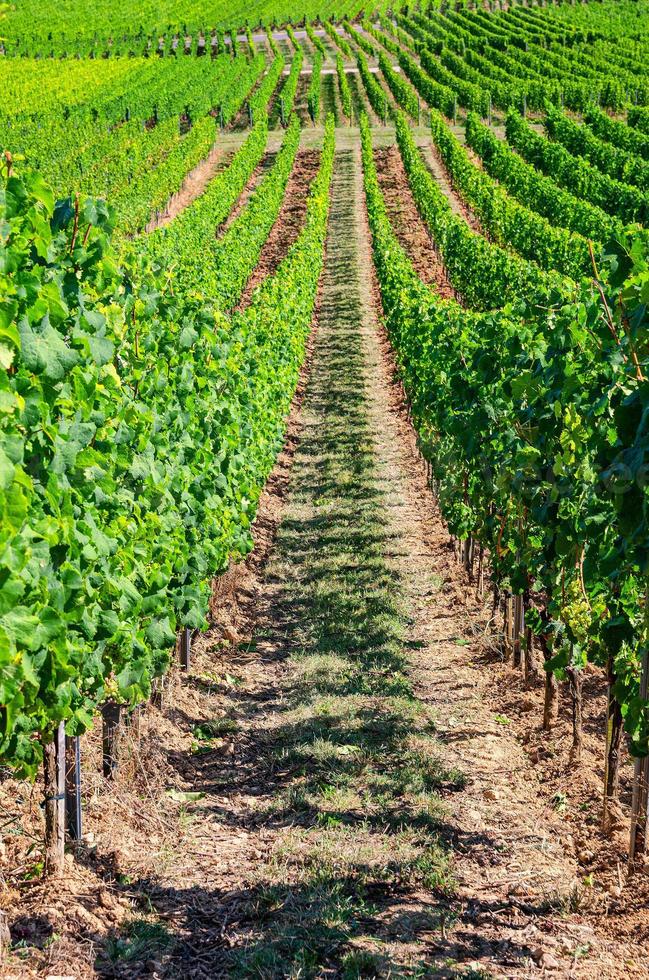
407,222
289,223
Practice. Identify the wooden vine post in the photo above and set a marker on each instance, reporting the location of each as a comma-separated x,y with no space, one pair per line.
111,735
575,678
73,786
480,585
467,555
54,780
613,742
639,826
516,630
509,624
551,698
185,647
530,668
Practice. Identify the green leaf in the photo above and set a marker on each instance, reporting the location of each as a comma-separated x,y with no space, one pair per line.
22,626
63,214
6,356
184,796
44,351
7,469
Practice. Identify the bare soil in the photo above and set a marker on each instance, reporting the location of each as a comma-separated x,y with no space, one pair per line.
192,187
407,222
289,223
438,170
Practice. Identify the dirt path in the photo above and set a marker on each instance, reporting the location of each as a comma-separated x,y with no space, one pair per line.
263,167
407,222
289,223
192,187
436,166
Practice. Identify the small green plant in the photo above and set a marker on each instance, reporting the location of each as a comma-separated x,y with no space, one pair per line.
216,728
141,941
34,871
360,964
560,802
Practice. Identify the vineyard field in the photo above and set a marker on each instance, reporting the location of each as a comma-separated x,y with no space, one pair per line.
324,441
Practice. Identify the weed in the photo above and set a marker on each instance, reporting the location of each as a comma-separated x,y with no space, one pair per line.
215,728
141,941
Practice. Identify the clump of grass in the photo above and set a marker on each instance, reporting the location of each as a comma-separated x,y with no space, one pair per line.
141,940
361,963
215,728
323,671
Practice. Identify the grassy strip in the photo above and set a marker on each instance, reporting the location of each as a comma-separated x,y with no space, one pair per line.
360,769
